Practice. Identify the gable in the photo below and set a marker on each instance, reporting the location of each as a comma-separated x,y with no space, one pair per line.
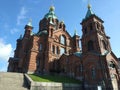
61,32
111,57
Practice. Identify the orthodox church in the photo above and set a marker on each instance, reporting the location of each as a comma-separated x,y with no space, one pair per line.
53,50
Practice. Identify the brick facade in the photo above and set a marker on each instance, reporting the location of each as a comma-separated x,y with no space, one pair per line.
53,50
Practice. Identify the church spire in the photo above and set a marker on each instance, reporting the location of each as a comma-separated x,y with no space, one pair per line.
21,37
89,12
75,32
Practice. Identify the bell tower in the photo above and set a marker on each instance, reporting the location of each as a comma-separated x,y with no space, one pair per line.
94,38
28,29
76,39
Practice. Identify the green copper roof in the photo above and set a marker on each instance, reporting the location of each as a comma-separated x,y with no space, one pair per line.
51,13
42,32
78,54
89,12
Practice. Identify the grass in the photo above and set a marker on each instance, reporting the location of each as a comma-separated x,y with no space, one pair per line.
54,78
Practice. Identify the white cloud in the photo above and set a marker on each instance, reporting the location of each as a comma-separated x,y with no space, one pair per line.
22,15
6,50
14,30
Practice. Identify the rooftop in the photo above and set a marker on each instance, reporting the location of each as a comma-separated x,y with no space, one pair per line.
51,13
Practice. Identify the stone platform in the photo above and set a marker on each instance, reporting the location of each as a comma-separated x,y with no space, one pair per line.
12,81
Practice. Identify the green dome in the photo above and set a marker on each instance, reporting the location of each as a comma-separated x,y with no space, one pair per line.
42,33
51,13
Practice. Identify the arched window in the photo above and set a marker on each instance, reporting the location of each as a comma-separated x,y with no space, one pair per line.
62,50
57,50
38,65
90,46
51,32
104,45
85,30
40,47
98,25
53,49
60,26
91,27
62,39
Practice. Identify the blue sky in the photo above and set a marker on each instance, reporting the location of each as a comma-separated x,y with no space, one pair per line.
15,14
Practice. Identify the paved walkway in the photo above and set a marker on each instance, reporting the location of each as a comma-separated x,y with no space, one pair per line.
12,81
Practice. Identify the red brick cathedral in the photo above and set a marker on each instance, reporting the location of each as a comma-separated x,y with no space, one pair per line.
53,50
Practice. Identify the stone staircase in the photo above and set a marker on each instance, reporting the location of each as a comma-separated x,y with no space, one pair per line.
12,81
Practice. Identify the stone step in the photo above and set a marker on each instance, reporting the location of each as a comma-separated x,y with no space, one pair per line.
12,81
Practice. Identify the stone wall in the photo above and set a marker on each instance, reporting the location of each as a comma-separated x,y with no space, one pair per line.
51,85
